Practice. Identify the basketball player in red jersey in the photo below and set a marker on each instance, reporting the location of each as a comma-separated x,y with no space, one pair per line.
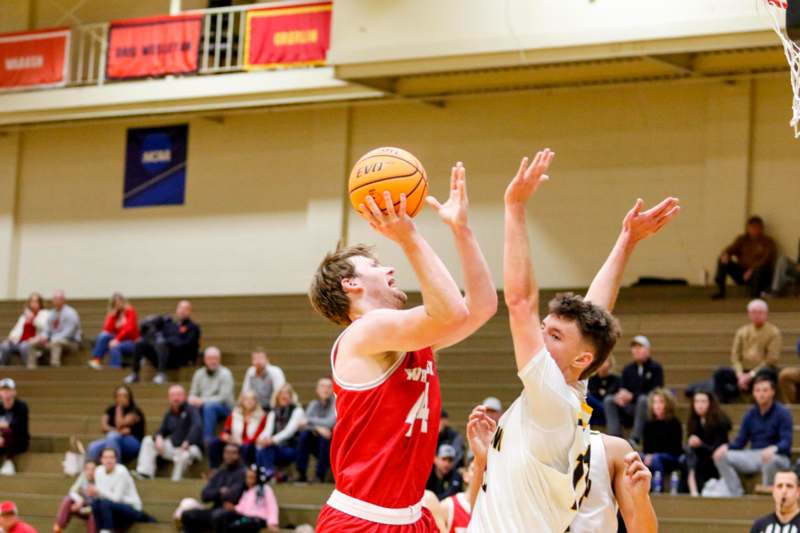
387,388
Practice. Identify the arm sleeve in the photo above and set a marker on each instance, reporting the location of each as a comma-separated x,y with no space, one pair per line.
784,443
735,248
225,392
16,332
163,430
549,401
658,376
744,434
195,434
228,424
194,390
235,489
278,377
246,387
129,329
737,352
774,348
291,428
210,492
19,426
270,429
75,490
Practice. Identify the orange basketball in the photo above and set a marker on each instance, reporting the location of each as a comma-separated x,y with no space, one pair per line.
389,169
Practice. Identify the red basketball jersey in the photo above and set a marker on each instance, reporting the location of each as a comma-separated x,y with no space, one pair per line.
386,431
458,512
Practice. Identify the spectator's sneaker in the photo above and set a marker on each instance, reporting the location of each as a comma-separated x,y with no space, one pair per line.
131,378
8,468
138,475
94,363
159,379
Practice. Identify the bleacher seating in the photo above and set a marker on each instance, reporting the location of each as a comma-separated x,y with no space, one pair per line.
690,334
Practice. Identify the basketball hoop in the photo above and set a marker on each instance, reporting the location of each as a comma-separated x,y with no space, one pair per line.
777,11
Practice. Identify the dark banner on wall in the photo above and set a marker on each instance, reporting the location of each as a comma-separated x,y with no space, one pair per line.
34,59
155,166
154,46
286,36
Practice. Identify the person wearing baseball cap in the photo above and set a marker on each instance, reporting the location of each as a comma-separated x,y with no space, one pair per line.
445,480
9,519
629,404
448,435
14,435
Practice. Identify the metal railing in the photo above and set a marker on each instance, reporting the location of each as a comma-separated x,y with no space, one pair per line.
89,54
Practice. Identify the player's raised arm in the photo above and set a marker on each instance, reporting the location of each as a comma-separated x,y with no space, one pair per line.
480,293
521,291
443,306
480,430
631,482
636,226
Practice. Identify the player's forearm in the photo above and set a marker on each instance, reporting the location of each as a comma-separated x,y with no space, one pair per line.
474,487
520,288
605,286
440,294
644,519
480,292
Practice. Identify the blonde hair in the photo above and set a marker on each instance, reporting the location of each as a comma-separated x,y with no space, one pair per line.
670,404
286,387
257,410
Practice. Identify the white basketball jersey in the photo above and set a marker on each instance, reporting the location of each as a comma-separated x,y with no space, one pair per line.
598,513
538,467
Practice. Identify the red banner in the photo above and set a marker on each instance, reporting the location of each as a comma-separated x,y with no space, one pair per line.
154,46
34,59
290,35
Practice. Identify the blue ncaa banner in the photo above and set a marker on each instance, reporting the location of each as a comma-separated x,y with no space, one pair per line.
155,166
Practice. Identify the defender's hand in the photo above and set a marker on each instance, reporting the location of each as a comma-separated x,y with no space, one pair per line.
639,225
637,476
529,176
480,430
395,224
454,211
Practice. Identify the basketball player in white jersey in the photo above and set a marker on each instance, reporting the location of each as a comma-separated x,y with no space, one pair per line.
620,481
538,466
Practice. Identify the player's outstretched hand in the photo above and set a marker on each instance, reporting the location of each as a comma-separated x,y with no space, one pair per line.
480,430
394,224
530,175
454,211
639,225
637,476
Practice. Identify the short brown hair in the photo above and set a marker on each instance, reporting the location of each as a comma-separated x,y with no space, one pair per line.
327,296
595,324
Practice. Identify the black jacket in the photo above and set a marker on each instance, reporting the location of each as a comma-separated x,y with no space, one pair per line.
652,377
449,485
230,477
183,339
600,387
184,426
17,418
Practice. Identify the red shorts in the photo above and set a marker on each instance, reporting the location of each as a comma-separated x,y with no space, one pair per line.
334,521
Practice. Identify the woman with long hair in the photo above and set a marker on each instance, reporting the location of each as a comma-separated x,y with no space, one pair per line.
243,427
708,429
277,446
123,426
119,335
662,441
29,329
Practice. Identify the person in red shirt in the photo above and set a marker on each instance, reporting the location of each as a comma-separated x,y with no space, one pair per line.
119,335
10,522
388,400
29,329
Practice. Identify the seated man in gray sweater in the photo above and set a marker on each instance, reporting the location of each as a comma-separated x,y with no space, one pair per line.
62,336
317,430
212,392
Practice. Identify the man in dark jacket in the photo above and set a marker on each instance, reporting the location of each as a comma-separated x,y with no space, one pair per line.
179,439
445,479
14,435
448,435
167,343
630,402
222,491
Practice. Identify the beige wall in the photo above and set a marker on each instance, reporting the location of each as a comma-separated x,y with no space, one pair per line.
9,146
264,190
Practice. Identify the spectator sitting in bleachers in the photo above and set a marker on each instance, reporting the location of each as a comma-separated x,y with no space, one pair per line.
278,444
445,480
223,491
179,439
257,508
767,427
77,502
785,494
212,392
494,407
119,335
29,329
62,335
116,504
789,380
708,429
263,378
749,260
10,522
629,404
448,435
662,440
604,383
316,432
167,343
756,350
14,435
123,427
243,427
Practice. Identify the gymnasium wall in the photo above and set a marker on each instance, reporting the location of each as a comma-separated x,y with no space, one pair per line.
265,190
